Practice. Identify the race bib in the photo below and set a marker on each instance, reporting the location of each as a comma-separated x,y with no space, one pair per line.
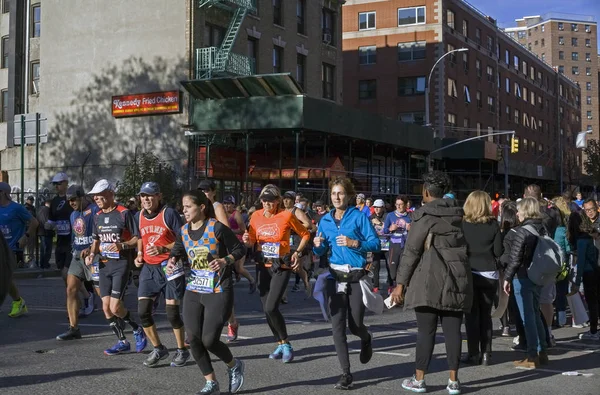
63,228
201,281
178,271
385,243
270,250
108,254
198,257
95,269
6,232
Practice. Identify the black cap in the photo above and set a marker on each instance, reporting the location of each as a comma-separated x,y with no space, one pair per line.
268,196
207,185
319,203
289,195
229,199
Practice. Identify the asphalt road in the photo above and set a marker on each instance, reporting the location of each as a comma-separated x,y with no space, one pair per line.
33,362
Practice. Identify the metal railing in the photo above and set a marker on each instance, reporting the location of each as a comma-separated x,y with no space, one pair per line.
211,61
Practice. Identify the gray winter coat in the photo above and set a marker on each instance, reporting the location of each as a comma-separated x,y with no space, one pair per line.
438,276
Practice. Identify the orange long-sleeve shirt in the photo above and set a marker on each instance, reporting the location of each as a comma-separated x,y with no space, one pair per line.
276,229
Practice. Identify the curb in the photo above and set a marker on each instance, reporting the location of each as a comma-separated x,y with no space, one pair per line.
27,274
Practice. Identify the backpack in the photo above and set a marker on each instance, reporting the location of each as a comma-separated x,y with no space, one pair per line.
547,259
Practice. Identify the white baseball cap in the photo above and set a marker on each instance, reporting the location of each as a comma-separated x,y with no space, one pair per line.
379,203
60,177
101,186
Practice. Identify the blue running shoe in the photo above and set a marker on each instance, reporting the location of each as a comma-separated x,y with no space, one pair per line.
278,353
288,353
140,339
121,347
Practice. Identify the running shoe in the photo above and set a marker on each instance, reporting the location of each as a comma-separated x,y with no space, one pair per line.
232,332
236,376
506,331
366,350
278,353
180,358
344,383
284,300
414,385
70,334
288,353
210,388
88,306
140,339
579,326
589,336
252,287
121,347
296,288
453,387
156,355
18,308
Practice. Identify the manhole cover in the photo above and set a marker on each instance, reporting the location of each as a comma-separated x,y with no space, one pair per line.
45,351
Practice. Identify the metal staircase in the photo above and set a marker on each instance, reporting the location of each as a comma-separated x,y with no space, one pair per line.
220,61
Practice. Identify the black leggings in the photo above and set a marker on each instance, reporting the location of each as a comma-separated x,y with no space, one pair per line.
478,322
340,304
591,288
271,287
394,258
204,316
427,319
376,268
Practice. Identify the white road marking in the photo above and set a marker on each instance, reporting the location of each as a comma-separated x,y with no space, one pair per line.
397,354
555,371
239,337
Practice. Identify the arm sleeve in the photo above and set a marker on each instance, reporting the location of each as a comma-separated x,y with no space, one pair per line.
227,237
498,245
95,228
371,243
178,249
299,228
516,253
415,245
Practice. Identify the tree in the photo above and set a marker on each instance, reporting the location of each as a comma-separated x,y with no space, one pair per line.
592,160
148,167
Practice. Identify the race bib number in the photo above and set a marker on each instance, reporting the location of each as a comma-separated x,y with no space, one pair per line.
63,228
270,250
201,281
95,269
178,271
108,254
385,244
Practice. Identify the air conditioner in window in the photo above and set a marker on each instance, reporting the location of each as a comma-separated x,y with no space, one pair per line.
327,38
589,117
576,72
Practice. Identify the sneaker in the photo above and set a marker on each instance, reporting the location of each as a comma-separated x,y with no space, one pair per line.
180,358
579,326
506,331
236,376
232,332
552,342
453,387
288,353
18,308
278,353
210,388
252,287
344,383
284,300
414,385
121,347
528,363
543,357
88,306
296,288
156,355
589,336
366,350
70,334
140,339
516,340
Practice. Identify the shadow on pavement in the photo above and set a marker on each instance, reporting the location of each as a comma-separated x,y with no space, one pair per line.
19,381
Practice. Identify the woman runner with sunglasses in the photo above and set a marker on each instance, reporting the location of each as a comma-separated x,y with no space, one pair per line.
270,229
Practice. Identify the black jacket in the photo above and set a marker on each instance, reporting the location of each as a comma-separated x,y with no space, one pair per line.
522,248
439,277
484,242
508,240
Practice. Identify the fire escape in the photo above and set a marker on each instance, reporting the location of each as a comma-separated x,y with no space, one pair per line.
220,61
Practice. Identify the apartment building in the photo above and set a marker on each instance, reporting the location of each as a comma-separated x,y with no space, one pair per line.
390,49
569,43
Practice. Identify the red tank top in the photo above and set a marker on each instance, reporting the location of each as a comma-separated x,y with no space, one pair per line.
233,225
155,232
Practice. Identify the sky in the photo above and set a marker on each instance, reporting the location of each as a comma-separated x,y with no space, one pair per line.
506,11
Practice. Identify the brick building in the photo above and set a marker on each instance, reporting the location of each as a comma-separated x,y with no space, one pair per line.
390,48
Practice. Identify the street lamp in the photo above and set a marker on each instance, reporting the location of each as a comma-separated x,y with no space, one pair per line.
427,123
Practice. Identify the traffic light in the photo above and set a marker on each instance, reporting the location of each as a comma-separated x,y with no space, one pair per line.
514,145
499,153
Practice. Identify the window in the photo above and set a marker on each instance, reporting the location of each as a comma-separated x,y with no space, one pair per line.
508,113
574,41
467,95
367,55
525,145
507,56
478,129
478,35
490,43
532,73
491,107
450,18
516,62
300,11
301,70
213,35
277,14
411,51
366,20
588,57
588,100
35,77
412,117
540,125
561,26
588,42
574,55
4,52
561,40
543,28
465,58
521,35
588,86
574,27
524,67
543,57
452,92
465,28
451,119
452,56
529,46
575,70
478,67
561,69
536,43
589,115
409,86
4,114
411,16
36,21
507,85
253,51
490,73
543,42
533,123
367,89
588,71
327,25
327,77
466,126
479,103
588,29
277,59
517,90
561,55
5,6
517,116
532,97
525,94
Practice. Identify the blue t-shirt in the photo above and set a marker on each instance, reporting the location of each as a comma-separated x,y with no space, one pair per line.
13,223
399,235
82,225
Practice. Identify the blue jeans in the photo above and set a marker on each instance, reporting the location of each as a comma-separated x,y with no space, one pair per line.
45,251
527,295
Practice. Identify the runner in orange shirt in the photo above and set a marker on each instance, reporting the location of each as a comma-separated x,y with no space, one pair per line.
270,229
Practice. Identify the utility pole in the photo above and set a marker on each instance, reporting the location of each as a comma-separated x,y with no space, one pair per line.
506,153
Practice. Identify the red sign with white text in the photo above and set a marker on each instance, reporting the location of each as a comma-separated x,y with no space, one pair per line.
146,104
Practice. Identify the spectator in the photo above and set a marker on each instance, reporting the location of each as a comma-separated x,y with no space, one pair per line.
369,203
46,234
31,242
579,199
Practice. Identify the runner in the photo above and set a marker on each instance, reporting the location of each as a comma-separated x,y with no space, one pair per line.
270,229
397,224
361,206
378,222
237,225
211,249
17,226
82,223
112,240
348,234
60,218
157,229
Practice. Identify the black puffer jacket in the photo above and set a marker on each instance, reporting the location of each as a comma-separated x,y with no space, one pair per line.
439,277
522,248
